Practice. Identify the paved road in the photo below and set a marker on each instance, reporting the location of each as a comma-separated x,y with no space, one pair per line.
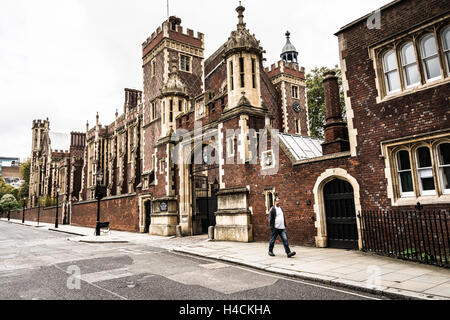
37,264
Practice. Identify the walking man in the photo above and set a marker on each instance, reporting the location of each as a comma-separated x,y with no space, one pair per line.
278,226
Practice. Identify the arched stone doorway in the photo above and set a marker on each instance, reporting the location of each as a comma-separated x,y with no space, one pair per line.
204,187
326,177
339,202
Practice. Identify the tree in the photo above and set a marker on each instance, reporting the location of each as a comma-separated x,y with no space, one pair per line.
7,189
9,202
25,172
316,99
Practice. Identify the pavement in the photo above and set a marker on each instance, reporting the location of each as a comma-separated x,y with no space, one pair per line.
357,270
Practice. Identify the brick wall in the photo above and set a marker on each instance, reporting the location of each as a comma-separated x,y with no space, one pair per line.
121,212
420,112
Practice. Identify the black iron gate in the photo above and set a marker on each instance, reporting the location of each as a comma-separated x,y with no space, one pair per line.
147,206
342,231
205,197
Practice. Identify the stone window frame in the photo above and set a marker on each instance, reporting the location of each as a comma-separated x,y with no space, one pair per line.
377,52
446,50
404,65
185,63
254,73
390,151
153,64
230,150
242,72
263,160
154,110
298,126
295,91
161,165
269,194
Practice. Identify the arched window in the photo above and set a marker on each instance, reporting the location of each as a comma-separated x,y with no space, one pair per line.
391,72
444,166
430,58
409,66
425,171
446,45
405,174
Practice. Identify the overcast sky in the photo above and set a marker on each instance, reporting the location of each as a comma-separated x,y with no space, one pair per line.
68,59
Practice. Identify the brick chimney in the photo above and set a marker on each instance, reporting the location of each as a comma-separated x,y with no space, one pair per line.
336,133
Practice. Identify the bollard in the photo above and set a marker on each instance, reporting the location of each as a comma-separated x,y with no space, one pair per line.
211,233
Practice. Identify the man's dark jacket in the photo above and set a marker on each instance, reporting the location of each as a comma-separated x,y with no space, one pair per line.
273,215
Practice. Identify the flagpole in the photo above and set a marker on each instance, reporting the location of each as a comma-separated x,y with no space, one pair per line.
167,9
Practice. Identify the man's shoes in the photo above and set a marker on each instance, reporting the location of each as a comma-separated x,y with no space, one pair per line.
271,254
291,254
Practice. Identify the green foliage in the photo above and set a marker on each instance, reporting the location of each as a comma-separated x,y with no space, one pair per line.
413,252
316,99
25,172
9,202
7,189
47,201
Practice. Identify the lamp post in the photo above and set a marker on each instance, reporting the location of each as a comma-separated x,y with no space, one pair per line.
39,211
99,196
23,209
57,195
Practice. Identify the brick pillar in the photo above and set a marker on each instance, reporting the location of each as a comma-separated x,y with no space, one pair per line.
336,133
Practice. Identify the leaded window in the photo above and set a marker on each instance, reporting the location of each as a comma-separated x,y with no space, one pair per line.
409,65
391,72
444,166
405,174
425,171
446,46
430,58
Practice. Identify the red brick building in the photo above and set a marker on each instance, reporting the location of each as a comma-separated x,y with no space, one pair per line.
208,143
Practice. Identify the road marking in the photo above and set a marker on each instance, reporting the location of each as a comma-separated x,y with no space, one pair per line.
133,251
281,277
96,286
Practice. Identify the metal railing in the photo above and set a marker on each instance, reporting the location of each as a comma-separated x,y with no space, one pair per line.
416,235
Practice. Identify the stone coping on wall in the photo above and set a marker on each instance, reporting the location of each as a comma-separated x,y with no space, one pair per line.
105,199
164,199
232,191
231,212
323,158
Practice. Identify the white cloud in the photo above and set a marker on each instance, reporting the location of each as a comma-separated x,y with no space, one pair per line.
66,60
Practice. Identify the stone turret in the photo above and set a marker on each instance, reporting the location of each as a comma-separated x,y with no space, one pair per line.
243,55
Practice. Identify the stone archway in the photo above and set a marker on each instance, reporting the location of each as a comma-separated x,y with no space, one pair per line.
189,174
319,205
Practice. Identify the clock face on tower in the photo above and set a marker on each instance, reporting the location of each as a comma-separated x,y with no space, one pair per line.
296,107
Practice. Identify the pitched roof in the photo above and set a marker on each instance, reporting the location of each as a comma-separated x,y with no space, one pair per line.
301,147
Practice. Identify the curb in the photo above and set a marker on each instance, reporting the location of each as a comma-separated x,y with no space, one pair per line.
393,293
68,232
102,242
